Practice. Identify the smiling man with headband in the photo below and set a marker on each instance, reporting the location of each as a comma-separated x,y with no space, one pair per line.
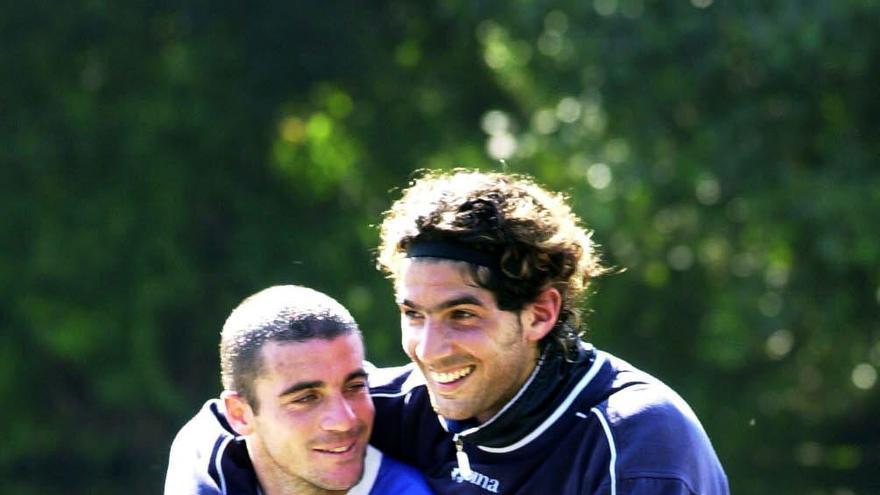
503,396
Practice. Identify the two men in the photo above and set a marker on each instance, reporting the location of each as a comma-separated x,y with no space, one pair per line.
295,415
503,396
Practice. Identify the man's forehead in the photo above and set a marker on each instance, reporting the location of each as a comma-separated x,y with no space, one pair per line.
345,350
437,270
431,281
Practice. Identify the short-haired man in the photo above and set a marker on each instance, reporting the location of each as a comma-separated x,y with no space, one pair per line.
488,270
295,415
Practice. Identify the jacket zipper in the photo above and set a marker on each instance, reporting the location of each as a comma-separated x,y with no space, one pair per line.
464,464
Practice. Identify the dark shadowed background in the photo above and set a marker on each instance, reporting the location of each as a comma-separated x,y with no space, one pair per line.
163,160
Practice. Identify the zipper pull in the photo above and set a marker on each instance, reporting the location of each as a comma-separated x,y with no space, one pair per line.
464,464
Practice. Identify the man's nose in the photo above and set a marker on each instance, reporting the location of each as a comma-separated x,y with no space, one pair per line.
433,343
339,415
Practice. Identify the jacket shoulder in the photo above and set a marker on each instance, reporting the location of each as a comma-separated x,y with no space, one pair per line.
392,381
207,457
657,436
192,454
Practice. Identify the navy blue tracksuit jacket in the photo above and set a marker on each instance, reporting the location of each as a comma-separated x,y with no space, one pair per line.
598,426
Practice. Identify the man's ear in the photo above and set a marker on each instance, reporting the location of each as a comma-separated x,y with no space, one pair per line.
540,316
238,412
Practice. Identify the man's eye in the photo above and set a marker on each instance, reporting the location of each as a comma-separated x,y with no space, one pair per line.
357,386
461,314
411,315
305,399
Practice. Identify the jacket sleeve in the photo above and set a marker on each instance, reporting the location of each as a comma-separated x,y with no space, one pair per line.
187,471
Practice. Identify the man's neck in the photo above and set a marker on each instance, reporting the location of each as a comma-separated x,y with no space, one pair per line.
293,487
273,480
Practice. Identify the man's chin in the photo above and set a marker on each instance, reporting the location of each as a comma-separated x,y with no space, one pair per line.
344,473
340,481
454,410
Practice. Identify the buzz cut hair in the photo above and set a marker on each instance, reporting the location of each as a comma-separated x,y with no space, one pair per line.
283,313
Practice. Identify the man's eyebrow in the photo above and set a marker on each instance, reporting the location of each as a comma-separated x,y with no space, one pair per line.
296,387
456,301
361,373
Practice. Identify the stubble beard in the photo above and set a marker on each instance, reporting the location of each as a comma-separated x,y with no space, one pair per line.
285,482
476,403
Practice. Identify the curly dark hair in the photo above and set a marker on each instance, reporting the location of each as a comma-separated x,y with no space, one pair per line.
284,313
537,239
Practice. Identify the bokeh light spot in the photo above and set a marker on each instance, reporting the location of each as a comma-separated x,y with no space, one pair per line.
864,376
845,457
708,191
501,146
605,7
779,344
599,175
544,121
714,251
495,122
680,258
568,110
556,21
656,274
666,221
550,43
339,104
408,54
777,275
292,129
319,127
617,150
770,304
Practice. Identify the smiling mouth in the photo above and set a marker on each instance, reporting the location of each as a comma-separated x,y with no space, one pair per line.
337,450
450,377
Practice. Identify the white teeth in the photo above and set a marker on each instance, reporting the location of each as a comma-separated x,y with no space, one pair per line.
338,449
451,376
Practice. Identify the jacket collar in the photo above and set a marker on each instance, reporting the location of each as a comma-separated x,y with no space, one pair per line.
546,389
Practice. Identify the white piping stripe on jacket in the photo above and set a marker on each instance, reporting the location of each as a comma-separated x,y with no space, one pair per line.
396,394
413,381
594,369
611,447
218,463
372,462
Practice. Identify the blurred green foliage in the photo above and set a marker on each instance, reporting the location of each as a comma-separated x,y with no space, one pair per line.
161,161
